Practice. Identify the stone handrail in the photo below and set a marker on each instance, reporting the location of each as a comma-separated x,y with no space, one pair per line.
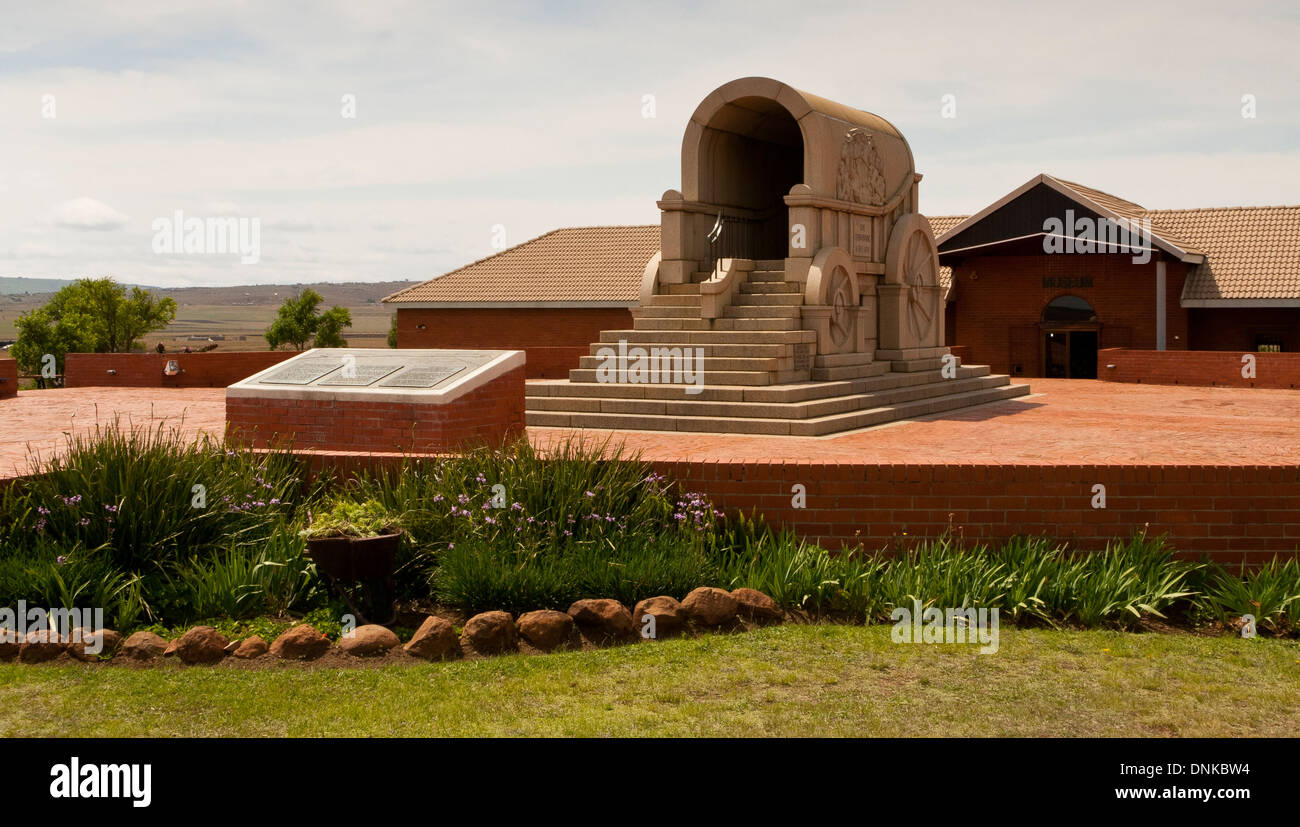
716,293
650,278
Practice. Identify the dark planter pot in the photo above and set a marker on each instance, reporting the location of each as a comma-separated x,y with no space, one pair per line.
369,561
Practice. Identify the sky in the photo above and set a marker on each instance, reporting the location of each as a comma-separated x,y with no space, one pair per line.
376,141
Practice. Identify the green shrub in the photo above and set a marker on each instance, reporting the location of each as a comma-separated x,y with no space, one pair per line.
133,493
1271,593
342,517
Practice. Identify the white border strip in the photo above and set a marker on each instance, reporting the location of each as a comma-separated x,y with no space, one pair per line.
502,363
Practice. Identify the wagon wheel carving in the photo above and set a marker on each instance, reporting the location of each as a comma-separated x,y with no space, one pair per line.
919,272
842,319
914,263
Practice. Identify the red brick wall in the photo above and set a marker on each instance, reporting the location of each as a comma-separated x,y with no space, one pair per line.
8,378
1236,328
1199,367
553,338
145,370
1231,513
487,414
1000,300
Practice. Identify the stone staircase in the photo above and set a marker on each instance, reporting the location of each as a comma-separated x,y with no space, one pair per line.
759,370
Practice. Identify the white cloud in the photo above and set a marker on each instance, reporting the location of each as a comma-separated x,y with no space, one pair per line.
86,213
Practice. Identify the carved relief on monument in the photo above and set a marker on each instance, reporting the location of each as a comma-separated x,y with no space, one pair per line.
861,175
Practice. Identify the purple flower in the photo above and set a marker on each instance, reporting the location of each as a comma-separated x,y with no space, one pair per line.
61,559
84,521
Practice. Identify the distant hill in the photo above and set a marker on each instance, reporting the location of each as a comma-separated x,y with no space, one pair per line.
238,315
18,285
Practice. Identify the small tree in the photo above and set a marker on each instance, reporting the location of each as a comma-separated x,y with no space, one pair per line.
89,316
392,332
299,321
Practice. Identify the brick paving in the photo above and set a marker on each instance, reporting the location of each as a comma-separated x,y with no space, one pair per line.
1064,422
38,423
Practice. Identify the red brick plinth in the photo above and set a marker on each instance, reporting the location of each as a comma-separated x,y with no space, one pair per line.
490,413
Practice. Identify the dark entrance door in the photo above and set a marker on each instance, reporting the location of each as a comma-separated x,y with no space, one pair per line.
1070,339
1083,354
1070,354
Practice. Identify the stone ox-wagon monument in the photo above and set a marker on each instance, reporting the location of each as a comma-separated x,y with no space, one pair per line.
796,290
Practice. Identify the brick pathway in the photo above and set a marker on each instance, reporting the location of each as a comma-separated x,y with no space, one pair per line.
1071,422
1064,422
39,422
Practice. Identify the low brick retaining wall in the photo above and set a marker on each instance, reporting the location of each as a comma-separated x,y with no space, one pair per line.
8,378
1209,368
1230,513
145,370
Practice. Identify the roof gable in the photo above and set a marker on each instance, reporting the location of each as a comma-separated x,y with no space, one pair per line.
1021,214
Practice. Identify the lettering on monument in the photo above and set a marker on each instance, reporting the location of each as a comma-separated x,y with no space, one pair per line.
364,373
424,376
300,373
861,236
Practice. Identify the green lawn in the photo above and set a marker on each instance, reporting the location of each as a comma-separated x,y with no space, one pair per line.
822,680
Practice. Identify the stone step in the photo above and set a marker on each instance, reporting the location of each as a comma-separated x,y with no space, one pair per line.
753,311
716,377
768,287
646,323
830,373
837,423
739,349
767,299
766,275
722,337
787,393
657,311
816,426
674,300
733,323
666,312
710,364
688,289
689,405
769,264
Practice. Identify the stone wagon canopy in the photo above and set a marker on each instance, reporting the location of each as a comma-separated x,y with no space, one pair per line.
759,122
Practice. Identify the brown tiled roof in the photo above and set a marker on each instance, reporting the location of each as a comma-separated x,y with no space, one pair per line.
574,265
942,224
1133,212
1250,252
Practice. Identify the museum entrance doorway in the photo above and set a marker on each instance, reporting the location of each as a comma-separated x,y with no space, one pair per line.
1071,335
